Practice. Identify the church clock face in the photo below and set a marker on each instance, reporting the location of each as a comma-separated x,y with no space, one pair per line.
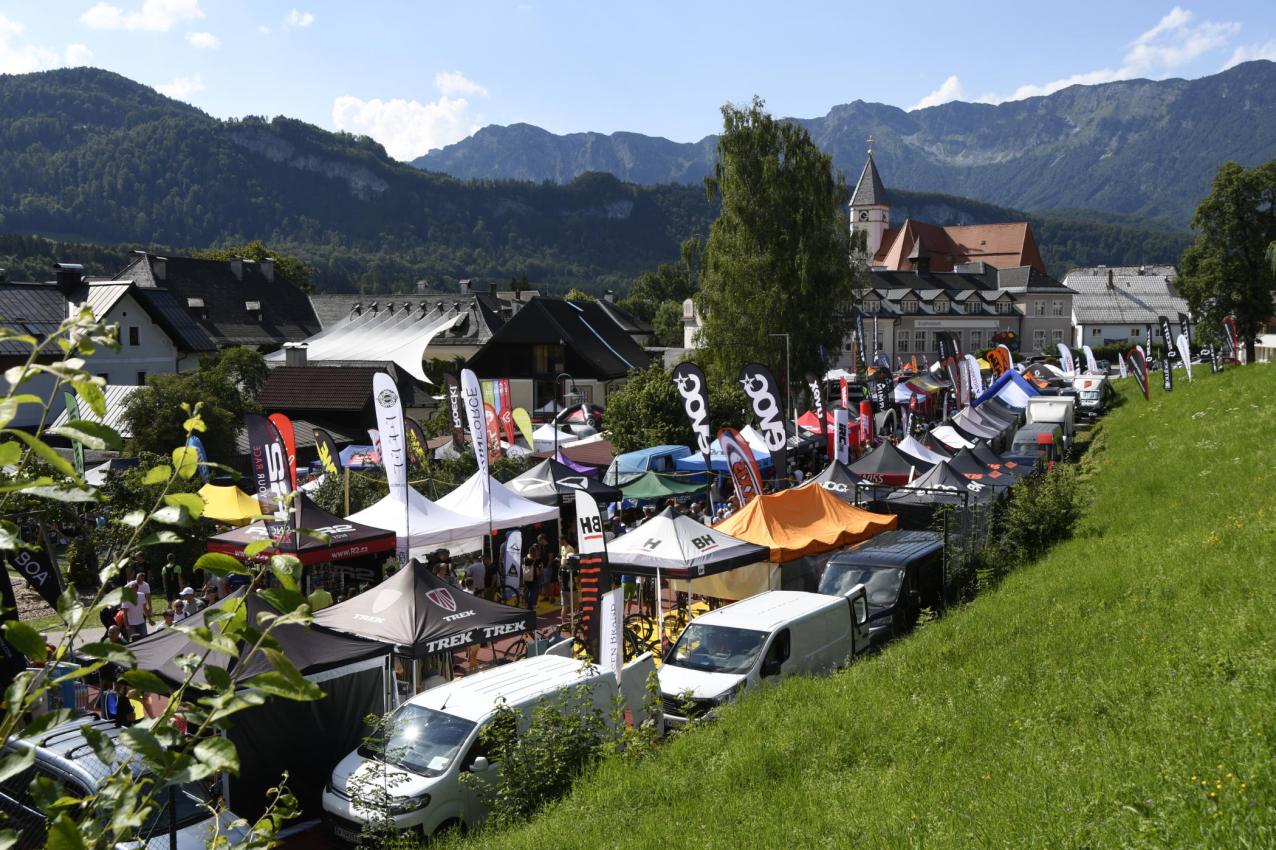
864,215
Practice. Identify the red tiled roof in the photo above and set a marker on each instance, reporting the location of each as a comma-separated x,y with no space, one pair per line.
1003,246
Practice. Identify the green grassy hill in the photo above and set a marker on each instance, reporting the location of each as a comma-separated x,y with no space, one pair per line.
1121,692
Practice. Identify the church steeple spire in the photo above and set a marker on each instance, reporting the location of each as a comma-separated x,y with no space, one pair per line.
870,208
869,191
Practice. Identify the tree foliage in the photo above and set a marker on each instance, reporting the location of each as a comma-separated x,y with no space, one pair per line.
227,383
1228,271
647,410
293,269
777,260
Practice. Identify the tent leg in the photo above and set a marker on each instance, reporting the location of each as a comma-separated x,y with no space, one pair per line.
660,619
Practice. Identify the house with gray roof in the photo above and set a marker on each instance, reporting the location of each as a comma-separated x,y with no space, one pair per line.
1116,305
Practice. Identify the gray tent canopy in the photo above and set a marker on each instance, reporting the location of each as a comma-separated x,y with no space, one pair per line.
418,613
553,483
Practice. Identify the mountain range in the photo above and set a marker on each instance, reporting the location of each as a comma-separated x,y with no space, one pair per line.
105,164
1138,147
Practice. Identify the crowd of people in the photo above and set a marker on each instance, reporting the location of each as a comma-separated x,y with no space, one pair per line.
135,618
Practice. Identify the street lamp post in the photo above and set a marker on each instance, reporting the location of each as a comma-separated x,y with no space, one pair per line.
558,378
788,386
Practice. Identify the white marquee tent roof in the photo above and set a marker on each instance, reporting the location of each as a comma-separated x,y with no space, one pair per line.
508,509
426,524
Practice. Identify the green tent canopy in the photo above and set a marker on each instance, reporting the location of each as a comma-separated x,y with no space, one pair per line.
652,485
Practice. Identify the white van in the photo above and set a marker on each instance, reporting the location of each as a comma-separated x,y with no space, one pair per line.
765,637
434,737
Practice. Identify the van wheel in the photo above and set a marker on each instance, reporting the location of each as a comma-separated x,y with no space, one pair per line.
449,828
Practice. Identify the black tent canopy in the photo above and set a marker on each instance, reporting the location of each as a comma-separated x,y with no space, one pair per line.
888,465
346,539
942,486
838,479
989,458
552,483
310,650
965,463
419,613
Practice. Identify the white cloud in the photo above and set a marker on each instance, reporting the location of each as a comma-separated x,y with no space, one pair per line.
19,58
409,128
454,82
949,89
1250,52
1174,41
203,40
78,54
297,19
182,87
263,29
153,16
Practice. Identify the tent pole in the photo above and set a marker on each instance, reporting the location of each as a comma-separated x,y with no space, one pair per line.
347,490
660,619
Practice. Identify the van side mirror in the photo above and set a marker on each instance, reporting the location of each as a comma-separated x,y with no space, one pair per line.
480,765
771,667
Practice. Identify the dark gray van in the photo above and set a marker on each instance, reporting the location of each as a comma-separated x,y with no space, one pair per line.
903,572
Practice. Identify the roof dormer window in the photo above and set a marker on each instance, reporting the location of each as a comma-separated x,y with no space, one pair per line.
908,306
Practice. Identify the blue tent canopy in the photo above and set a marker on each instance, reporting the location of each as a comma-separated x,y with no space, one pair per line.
1011,388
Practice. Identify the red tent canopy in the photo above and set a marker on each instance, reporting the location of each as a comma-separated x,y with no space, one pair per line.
346,539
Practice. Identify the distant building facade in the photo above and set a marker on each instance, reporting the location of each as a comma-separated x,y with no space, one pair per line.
1115,305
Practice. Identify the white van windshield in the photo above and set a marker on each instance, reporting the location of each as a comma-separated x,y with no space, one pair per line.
716,649
882,584
421,740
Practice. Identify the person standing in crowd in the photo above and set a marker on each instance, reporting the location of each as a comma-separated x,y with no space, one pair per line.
179,610
476,573
211,596
320,598
136,615
170,617
531,580
171,578
192,604
144,590
115,635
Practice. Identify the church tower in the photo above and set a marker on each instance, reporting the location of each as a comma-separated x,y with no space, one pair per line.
870,208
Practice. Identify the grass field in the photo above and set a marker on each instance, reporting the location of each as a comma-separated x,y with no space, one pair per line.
1121,692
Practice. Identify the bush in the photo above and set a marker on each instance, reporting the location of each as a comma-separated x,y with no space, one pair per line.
1043,511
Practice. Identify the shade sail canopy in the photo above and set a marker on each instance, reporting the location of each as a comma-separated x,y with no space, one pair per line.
942,486
838,479
311,650
949,437
965,463
888,465
552,483
681,548
912,448
803,521
227,503
347,538
425,524
655,486
506,509
420,613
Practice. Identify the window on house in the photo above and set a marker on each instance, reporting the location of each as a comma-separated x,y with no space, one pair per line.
1004,307
1094,331
1056,336
976,340
134,335
541,355
1056,308
920,342
909,305
872,305
941,305
1039,307
1134,331
1039,340
901,341
141,379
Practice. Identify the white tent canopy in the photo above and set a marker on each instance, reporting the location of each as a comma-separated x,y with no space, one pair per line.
911,446
425,524
508,509
948,435
543,437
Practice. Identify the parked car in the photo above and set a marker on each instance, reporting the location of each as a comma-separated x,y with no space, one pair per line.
1094,395
414,778
63,755
1044,437
902,572
779,633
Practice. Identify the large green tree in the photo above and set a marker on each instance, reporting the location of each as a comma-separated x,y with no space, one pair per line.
1228,270
227,383
647,410
777,260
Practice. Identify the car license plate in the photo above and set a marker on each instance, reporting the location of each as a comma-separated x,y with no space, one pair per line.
347,835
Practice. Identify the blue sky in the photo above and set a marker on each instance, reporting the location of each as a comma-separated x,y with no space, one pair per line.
420,75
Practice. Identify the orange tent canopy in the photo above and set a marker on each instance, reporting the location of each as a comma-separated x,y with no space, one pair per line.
803,521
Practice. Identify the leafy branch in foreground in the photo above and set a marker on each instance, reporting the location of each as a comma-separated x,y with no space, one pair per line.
185,743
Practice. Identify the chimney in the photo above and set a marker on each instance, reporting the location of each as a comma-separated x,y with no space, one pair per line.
4,276
466,286
1143,269
68,276
422,286
609,296
1111,285
294,354
237,268
159,268
268,269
